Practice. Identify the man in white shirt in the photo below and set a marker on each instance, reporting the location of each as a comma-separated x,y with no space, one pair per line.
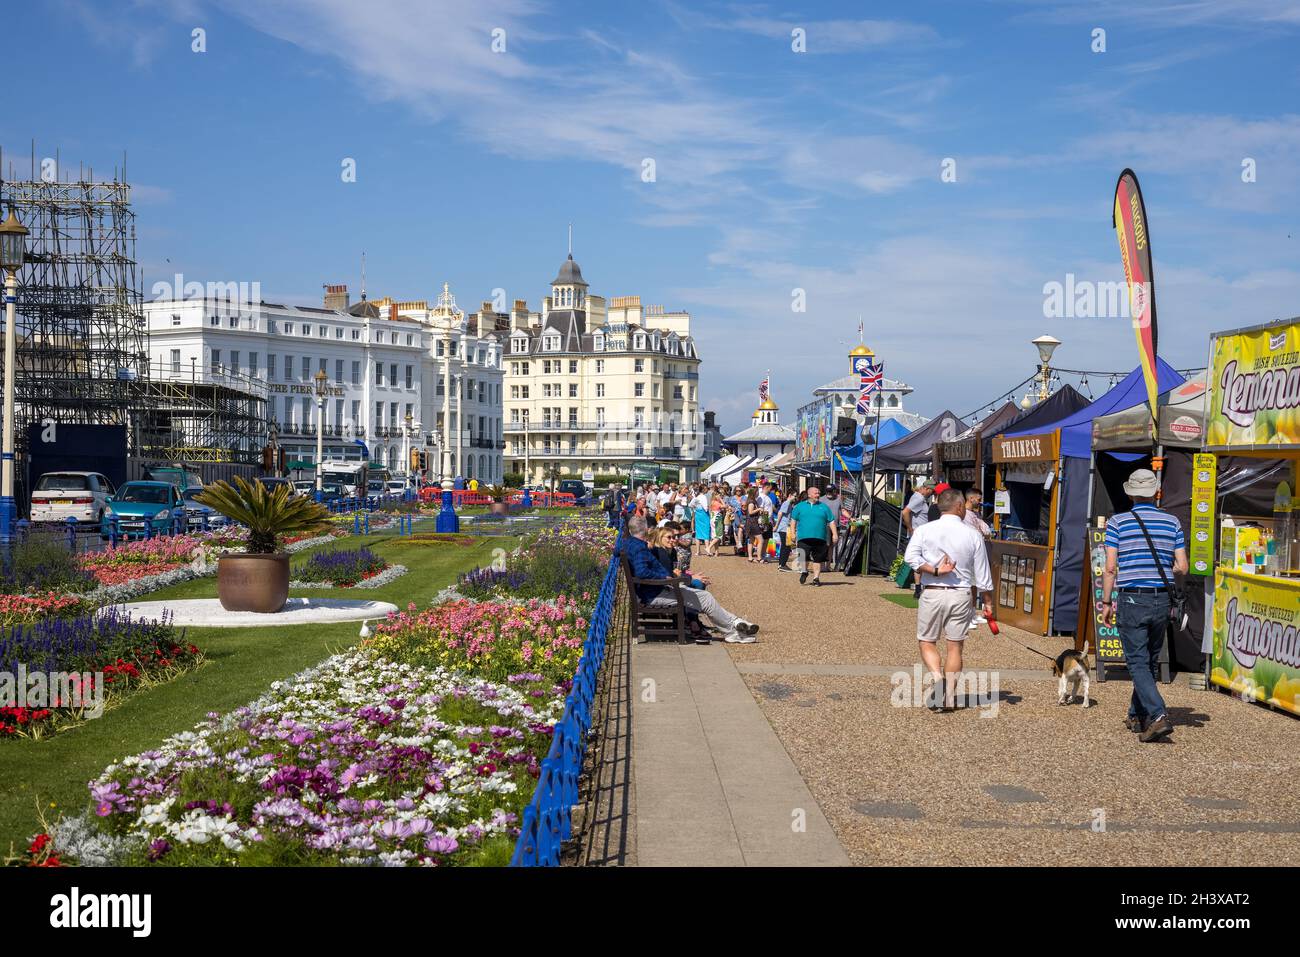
949,559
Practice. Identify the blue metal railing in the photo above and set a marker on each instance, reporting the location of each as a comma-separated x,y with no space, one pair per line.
548,819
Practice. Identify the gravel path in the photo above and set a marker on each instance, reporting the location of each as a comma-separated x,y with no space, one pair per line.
1022,782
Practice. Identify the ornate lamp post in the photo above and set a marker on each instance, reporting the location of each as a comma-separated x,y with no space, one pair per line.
321,380
274,439
13,252
1046,346
447,319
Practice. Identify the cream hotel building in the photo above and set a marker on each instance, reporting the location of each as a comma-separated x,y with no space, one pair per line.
595,386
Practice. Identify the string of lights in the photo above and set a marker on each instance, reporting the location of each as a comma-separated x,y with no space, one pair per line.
1081,379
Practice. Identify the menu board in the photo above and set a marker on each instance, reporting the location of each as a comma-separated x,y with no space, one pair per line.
1103,639
1200,550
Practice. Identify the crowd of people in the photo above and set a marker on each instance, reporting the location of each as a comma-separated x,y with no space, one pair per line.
669,525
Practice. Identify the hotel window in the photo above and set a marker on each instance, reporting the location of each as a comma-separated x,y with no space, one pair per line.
253,370
523,393
638,416
356,411
270,368
356,333
526,367
379,335
392,413
408,339
392,375
573,390
288,328
656,390
573,416
273,409
306,368
338,412
514,416
322,331
176,360
600,366
677,392
356,372
546,366
234,360
638,365
176,319
324,363
600,415
379,373
338,332
338,371
410,376
573,367
638,390
514,390
216,361
379,415
600,390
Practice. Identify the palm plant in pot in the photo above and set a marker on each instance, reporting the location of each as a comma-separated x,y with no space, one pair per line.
258,579
498,494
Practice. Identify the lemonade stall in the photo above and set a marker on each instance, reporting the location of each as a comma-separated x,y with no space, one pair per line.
1253,411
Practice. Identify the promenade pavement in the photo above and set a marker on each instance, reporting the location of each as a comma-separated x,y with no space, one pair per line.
720,775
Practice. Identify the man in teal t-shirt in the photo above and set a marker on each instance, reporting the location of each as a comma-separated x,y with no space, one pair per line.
812,523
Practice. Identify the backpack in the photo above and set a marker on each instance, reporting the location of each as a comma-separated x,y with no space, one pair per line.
609,503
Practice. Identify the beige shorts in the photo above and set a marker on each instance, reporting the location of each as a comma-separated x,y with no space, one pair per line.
943,610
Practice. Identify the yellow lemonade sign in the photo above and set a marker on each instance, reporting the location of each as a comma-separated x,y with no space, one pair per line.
1255,389
1257,638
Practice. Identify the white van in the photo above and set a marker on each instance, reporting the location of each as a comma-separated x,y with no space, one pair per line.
59,496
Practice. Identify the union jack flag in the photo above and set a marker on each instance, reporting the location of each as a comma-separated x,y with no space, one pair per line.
870,384
762,389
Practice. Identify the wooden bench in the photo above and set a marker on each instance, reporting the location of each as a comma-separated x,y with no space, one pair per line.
655,622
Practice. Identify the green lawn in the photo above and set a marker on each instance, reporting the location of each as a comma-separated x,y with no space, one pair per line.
905,599
242,662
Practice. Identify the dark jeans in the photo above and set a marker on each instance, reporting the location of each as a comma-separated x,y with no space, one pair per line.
782,551
1143,620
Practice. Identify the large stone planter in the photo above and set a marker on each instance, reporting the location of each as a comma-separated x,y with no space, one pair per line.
257,583
500,508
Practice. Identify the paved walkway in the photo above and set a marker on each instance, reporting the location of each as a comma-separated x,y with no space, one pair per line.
738,737
714,785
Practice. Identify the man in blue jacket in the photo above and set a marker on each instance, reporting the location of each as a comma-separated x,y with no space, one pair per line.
644,565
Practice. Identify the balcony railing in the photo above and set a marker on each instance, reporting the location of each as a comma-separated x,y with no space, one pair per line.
569,425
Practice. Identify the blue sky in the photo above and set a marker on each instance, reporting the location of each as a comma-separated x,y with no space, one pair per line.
775,170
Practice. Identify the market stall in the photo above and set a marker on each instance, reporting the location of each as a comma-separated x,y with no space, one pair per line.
963,462
1253,412
1059,492
1026,505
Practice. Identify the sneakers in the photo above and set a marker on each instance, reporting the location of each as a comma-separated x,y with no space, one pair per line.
784,568
816,581
1156,730
803,578
973,625
745,627
1133,724
738,639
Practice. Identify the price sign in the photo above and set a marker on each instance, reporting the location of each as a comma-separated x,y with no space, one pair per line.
1200,544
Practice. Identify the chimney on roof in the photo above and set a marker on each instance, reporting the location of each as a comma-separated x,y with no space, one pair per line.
392,311
519,317
336,298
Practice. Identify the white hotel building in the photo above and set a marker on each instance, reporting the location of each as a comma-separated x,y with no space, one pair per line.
385,366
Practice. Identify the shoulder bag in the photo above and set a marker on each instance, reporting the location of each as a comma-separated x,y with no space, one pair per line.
1177,599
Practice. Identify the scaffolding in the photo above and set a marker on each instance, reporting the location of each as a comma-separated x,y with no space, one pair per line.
81,336
83,340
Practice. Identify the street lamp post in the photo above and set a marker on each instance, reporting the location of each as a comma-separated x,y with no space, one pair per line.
274,438
406,445
1046,346
13,251
321,380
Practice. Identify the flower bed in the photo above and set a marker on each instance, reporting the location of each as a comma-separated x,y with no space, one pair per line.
355,761
569,559
143,558
126,652
389,574
341,567
27,609
491,639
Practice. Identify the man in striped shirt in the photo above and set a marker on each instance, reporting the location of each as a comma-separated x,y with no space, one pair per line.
1141,597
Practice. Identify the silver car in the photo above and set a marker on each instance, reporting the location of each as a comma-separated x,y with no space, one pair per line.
59,496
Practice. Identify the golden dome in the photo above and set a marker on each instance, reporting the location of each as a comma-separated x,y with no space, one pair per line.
767,406
861,350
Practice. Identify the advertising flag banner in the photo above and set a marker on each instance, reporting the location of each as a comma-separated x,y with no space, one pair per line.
1130,222
1200,550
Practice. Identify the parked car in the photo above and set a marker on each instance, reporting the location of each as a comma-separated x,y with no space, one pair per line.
141,505
395,487
195,510
305,487
331,492
59,496
374,487
178,475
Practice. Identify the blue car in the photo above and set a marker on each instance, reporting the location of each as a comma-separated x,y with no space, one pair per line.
138,505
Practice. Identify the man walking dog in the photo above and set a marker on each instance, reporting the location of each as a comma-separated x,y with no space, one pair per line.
1145,549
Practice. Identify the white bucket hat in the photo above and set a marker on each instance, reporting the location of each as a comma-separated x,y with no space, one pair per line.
1141,484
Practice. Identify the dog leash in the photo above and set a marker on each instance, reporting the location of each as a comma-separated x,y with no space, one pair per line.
1040,654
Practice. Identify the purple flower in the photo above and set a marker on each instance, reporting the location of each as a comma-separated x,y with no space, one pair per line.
440,844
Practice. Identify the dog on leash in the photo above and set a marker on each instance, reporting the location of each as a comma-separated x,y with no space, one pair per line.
1071,667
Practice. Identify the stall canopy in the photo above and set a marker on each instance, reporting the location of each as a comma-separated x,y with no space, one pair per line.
1076,455
915,447
721,466
850,457
1076,429
1182,421
729,469
1061,404
994,422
